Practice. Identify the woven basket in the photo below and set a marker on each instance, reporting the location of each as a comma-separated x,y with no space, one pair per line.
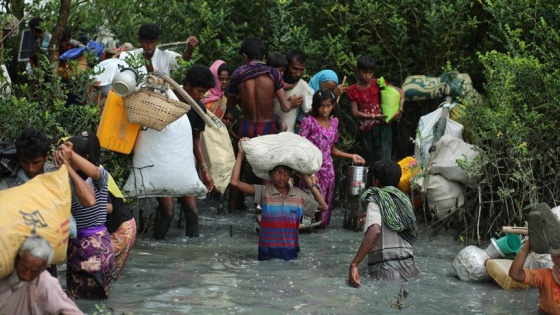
152,109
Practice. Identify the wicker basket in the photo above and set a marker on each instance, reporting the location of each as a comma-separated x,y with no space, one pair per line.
152,109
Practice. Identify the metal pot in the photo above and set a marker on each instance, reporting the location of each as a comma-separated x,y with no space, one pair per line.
357,179
125,82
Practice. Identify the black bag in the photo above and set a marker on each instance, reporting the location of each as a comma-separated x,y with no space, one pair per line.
8,160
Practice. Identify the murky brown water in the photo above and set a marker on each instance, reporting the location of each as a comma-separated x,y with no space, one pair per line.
219,274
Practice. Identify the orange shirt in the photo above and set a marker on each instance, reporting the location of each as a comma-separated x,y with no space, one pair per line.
549,297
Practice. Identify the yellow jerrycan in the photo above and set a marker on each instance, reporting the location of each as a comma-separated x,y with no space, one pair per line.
115,132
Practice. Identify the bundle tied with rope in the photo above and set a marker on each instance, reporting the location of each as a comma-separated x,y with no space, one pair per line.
396,211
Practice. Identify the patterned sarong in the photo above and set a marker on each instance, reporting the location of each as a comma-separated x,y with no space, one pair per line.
90,261
123,239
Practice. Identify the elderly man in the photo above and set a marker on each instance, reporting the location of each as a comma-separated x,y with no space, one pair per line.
30,289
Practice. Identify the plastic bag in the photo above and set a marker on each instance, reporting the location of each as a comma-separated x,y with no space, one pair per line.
266,152
470,264
425,133
390,99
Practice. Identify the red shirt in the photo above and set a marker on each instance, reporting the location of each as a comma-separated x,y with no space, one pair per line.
368,101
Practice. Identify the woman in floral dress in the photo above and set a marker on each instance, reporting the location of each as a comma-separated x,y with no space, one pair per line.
321,128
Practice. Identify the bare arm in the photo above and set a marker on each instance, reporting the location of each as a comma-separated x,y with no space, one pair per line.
358,114
354,157
198,155
236,172
284,104
231,102
84,192
370,239
315,192
192,42
401,104
516,271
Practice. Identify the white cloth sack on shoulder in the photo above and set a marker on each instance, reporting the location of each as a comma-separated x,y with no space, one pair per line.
425,134
448,150
266,152
218,153
163,163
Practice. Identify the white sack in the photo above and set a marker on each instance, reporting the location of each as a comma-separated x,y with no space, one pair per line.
266,152
166,162
470,264
425,134
448,150
218,153
442,195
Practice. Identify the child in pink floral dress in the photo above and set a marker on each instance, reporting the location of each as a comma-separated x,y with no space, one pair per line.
321,128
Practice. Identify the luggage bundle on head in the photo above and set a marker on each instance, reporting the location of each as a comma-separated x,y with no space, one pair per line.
41,206
266,152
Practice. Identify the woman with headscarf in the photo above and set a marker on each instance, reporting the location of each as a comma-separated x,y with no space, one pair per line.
326,80
215,100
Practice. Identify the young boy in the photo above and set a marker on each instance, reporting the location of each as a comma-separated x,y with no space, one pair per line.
282,209
364,96
277,60
32,149
197,81
389,229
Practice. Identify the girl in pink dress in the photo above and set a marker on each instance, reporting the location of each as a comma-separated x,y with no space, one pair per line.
321,128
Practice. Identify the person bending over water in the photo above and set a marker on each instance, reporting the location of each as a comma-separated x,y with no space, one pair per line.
389,229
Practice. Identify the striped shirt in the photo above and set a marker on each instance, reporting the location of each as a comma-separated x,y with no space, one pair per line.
279,227
253,70
92,216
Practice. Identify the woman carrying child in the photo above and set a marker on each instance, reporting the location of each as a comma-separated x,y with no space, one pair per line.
321,128
90,254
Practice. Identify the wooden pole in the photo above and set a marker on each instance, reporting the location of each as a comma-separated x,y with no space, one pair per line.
186,96
343,81
515,230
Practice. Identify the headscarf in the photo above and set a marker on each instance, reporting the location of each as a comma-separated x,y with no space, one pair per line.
215,93
322,76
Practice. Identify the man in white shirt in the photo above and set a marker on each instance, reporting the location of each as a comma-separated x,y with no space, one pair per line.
297,90
165,61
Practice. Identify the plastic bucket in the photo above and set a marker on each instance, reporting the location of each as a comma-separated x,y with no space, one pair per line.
493,251
504,246
357,179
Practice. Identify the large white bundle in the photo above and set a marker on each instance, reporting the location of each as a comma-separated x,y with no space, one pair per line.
442,194
266,152
425,133
163,163
470,264
448,150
